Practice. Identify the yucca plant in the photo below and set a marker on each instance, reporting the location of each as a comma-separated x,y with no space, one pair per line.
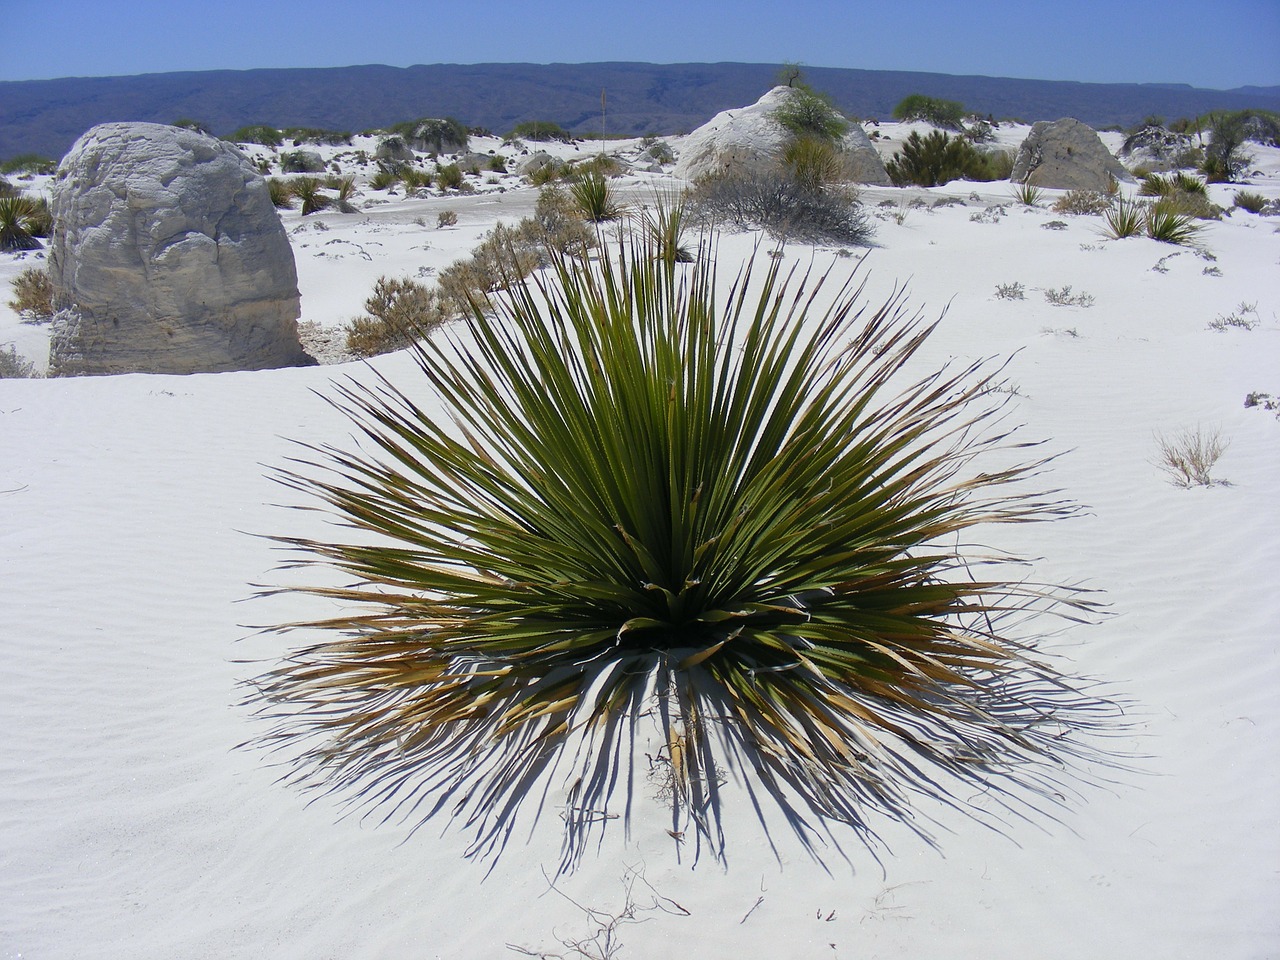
414,179
731,521
1027,194
1249,200
1128,218
384,179
307,190
346,190
22,220
449,177
666,222
593,197
1168,225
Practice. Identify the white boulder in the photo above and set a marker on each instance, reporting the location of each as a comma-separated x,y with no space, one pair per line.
172,256
750,140
1066,155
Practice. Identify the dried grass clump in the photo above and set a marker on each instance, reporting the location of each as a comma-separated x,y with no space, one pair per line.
398,313
33,295
1083,203
1189,456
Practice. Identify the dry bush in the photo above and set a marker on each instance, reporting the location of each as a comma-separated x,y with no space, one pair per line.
783,206
396,314
447,218
14,366
1083,203
1190,456
33,295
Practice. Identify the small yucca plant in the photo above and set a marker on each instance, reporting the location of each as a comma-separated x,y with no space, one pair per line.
1166,223
594,197
732,522
308,191
22,220
281,193
1027,194
1128,218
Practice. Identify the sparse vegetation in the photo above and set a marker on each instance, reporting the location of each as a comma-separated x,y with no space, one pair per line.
14,366
308,191
33,295
1168,225
1250,201
1066,297
807,115
281,192
257,133
450,177
783,206
446,218
1126,218
345,190
397,313
540,130
1027,195
1010,291
939,158
947,114
812,161
29,163
1245,317
1083,203
1189,456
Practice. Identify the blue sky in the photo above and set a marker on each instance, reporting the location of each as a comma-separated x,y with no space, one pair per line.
1222,44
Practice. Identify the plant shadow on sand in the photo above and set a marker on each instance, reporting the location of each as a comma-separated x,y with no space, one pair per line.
735,528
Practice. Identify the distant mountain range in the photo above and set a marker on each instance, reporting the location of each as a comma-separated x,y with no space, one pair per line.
46,116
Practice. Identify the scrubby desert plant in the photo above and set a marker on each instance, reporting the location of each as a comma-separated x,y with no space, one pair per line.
1083,203
666,222
1249,200
345,189
414,179
644,506
1189,456
812,161
281,193
807,115
449,177
33,300
384,178
397,313
540,130
935,159
308,191
497,164
22,220
594,197
1066,297
446,218
14,366
1010,291
783,206
948,114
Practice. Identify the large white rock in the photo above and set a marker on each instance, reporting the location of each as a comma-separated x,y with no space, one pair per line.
750,141
1068,155
172,255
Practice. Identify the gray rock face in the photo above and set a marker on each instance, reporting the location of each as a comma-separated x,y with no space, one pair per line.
394,150
302,161
1158,149
1065,155
751,141
167,245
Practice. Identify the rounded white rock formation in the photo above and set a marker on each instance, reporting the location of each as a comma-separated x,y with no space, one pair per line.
1066,155
750,140
174,260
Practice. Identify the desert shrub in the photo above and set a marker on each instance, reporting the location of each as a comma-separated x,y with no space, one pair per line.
1168,225
1224,156
1127,218
935,159
812,161
659,151
186,123
948,114
1197,205
33,295
384,178
14,366
558,223
414,179
594,197
1249,200
449,177
1010,291
7,189
1083,203
22,220
1240,319
446,218
541,131
807,115
434,133
547,173
307,190
1178,182
257,133
281,192
497,164
1189,456
782,206
32,163
317,135
397,313
1066,297
729,520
